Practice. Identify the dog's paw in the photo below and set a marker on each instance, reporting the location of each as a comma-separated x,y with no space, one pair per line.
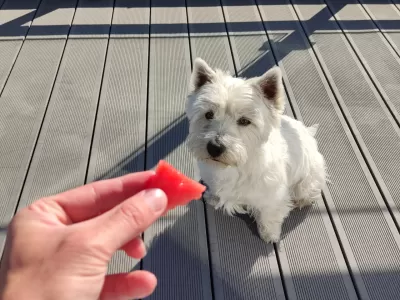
210,198
269,235
269,238
301,203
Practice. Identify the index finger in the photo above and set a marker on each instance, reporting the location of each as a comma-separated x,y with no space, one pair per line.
91,200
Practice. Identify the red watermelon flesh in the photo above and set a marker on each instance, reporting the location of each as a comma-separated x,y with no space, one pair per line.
180,190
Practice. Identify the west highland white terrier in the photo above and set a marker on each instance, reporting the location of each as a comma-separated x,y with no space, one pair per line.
252,158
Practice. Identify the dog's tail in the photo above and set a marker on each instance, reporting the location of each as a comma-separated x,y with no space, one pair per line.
312,130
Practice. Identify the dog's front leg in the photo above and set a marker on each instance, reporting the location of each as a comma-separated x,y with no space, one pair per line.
269,226
270,219
209,196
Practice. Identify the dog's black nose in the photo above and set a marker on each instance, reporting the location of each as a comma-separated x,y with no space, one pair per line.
215,149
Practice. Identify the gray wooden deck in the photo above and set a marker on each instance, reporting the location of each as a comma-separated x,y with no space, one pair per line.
96,89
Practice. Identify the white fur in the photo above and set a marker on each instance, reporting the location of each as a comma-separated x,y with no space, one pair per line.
269,166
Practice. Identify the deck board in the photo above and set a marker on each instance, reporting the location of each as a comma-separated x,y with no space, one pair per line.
214,47
120,132
331,279
11,34
374,53
386,49
339,64
24,102
227,269
373,127
62,152
178,241
90,91
257,259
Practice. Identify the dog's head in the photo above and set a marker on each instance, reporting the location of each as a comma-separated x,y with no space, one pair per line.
231,117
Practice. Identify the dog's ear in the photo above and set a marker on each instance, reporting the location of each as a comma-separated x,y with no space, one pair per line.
201,74
272,88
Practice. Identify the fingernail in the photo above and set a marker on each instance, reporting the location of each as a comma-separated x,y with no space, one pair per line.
155,199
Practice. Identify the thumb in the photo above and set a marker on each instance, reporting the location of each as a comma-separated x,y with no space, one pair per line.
129,219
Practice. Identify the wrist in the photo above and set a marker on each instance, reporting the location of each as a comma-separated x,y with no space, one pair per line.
15,287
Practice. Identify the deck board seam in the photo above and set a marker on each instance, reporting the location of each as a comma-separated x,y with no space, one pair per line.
214,257
289,101
228,35
147,107
210,265
100,93
210,269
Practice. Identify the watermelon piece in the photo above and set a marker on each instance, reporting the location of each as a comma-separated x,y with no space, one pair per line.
180,190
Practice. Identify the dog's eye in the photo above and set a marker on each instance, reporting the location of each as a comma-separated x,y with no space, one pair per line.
209,115
243,122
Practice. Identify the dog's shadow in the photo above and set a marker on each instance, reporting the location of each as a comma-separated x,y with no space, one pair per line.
295,218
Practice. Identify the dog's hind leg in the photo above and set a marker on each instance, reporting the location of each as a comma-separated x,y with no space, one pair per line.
307,191
303,195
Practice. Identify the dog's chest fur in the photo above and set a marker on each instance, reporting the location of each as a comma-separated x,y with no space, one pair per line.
251,182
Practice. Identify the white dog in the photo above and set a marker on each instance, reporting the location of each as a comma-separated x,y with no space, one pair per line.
251,157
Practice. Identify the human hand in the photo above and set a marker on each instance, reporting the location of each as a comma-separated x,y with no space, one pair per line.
59,246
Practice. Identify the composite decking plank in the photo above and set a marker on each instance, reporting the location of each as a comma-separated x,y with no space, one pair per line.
12,33
385,51
9,52
383,66
93,20
215,49
331,279
120,133
302,228
178,252
396,3
348,203
16,18
24,101
386,16
60,159
257,261
229,262
378,137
